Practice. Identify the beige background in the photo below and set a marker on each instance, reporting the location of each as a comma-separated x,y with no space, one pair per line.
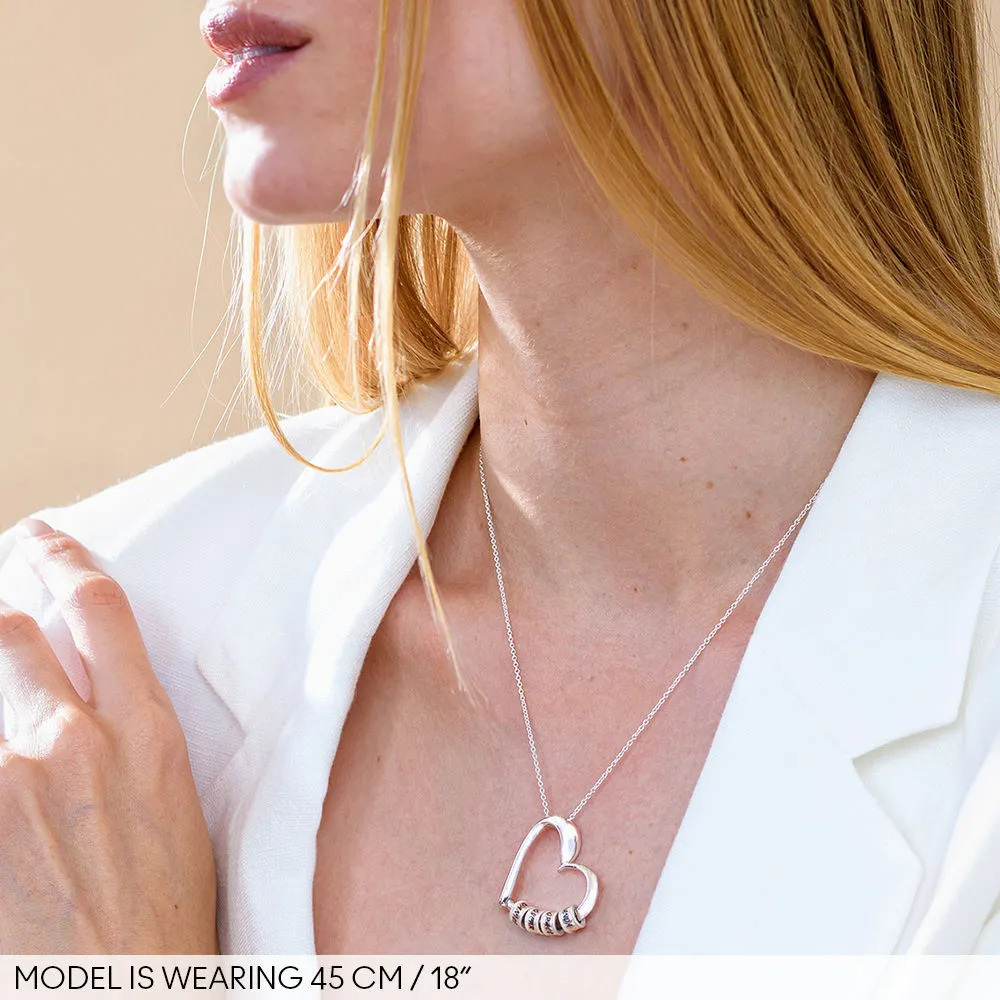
102,230
100,246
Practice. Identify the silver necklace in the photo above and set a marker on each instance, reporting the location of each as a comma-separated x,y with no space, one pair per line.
573,918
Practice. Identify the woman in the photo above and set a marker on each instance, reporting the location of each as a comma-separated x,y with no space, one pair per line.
691,310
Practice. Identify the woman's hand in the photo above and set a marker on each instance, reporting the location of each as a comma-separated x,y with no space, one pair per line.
103,845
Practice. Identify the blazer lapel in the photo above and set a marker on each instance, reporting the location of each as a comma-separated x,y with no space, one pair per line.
286,652
864,639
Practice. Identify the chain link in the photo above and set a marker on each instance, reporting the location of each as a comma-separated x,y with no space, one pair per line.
666,694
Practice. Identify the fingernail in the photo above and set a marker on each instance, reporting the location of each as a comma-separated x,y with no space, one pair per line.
32,526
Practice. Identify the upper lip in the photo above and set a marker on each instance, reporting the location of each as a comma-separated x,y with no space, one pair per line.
232,28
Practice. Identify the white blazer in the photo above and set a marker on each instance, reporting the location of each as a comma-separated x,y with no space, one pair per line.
850,802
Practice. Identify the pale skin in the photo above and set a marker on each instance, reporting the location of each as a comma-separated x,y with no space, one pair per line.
645,450
105,847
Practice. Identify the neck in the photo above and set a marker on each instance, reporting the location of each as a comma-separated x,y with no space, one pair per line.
642,445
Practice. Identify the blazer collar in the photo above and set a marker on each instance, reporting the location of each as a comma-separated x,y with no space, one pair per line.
337,541
876,605
864,639
881,585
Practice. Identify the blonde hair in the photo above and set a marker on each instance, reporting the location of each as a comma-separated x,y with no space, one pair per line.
830,163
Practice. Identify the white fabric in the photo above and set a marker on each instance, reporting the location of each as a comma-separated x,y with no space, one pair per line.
850,802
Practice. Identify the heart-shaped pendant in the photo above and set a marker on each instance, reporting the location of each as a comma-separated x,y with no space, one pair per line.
550,922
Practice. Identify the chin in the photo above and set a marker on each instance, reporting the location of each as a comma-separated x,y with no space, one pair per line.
264,180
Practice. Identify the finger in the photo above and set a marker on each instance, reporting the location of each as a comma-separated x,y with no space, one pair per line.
99,616
32,679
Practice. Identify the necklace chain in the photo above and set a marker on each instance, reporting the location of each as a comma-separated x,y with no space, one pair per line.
666,694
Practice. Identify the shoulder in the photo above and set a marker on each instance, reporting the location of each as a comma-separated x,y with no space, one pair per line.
203,500
177,536
217,497
208,530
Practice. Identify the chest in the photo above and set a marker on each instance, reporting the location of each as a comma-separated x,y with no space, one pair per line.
428,801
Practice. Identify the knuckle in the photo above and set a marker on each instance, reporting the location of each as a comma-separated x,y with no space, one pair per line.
14,770
158,749
17,626
21,781
97,590
154,725
55,545
78,733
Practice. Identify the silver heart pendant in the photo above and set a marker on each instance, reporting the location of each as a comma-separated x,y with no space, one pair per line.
550,922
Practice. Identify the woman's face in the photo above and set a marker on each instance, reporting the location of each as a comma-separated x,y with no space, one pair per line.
483,126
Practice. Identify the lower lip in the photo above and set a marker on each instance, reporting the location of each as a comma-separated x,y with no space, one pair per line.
228,82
